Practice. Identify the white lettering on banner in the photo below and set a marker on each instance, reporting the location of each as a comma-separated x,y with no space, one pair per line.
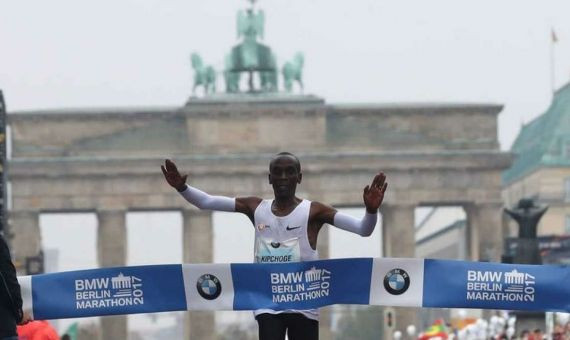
300,286
475,275
96,293
500,286
91,284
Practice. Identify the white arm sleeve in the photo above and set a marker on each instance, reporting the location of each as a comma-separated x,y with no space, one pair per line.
206,201
363,227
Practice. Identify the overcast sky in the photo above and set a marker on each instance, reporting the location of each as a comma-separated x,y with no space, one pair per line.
108,53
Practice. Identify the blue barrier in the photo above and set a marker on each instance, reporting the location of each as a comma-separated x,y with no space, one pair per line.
300,285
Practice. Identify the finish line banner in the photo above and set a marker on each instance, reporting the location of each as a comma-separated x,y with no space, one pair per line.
299,285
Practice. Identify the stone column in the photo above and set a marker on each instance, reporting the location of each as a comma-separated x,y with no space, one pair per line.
112,252
324,312
398,231
198,247
399,241
472,232
24,227
485,234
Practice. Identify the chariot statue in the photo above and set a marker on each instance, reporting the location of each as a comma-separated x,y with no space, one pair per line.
250,56
249,62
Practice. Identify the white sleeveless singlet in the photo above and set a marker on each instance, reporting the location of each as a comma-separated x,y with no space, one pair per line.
283,239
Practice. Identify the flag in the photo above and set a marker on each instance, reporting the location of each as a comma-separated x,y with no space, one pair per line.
553,35
435,331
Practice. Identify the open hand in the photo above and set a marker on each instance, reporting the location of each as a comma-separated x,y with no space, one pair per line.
374,193
172,175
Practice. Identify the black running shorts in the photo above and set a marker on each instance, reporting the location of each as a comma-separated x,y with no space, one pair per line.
296,325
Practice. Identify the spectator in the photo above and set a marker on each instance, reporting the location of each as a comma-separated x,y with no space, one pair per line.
37,330
558,333
11,312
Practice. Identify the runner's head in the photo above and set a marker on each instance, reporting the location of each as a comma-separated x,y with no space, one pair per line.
284,174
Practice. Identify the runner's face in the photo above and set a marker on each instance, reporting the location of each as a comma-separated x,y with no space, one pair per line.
284,176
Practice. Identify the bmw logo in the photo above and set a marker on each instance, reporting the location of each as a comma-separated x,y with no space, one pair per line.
396,281
209,286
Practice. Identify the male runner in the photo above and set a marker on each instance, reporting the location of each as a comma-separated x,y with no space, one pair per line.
286,230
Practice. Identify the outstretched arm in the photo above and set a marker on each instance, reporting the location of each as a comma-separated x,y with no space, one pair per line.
203,200
195,196
373,195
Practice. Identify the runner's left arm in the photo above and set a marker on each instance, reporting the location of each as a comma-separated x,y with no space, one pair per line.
373,196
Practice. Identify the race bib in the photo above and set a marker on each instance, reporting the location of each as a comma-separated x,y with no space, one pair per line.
269,251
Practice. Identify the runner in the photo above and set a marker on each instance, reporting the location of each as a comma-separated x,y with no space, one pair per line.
286,230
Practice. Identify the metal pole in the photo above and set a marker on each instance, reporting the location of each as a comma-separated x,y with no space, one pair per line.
2,163
552,63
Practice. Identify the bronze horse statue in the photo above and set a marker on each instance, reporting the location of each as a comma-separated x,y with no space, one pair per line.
293,71
203,75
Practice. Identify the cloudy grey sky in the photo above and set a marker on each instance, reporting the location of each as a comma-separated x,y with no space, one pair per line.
107,53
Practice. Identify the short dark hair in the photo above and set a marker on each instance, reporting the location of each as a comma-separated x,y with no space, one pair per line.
288,154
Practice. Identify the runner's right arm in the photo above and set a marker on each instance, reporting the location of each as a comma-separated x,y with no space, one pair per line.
203,200
206,201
